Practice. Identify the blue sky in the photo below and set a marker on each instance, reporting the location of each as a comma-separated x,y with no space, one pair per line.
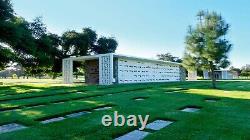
142,27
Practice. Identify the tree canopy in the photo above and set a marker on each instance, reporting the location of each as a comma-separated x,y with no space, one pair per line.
37,50
105,45
6,14
6,11
169,57
206,44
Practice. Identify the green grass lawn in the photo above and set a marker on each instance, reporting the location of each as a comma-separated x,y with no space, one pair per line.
226,119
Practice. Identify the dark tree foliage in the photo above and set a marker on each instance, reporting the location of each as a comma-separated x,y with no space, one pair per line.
245,71
236,70
40,52
6,56
90,35
206,44
56,54
78,44
105,45
68,42
32,47
22,41
169,57
6,14
6,11
37,28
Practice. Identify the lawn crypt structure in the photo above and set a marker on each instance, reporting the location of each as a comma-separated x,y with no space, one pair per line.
221,75
107,69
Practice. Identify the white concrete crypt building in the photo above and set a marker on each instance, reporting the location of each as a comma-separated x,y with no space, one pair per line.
107,69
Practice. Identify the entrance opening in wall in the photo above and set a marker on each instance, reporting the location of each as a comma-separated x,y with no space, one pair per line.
78,72
218,75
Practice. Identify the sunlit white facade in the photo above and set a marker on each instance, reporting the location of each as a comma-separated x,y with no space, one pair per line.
221,74
107,69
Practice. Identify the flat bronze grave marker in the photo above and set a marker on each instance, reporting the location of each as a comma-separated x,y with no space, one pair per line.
77,114
134,135
52,120
103,108
158,124
190,109
11,127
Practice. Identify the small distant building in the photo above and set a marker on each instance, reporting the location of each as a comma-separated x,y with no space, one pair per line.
221,75
192,75
107,69
10,71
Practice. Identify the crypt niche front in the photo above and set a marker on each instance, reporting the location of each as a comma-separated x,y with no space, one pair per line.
92,71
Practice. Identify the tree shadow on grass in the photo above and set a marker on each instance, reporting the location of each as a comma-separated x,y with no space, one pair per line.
225,105
221,85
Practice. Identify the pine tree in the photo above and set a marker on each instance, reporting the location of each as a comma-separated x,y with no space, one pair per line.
206,45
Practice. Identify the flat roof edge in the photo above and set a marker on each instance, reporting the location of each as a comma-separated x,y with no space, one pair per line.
145,59
91,57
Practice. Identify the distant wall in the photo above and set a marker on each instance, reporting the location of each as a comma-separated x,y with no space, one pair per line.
206,74
220,75
182,74
192,75
92,71
115,64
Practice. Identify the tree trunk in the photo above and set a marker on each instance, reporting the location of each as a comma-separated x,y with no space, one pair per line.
213,75
54,76
213,79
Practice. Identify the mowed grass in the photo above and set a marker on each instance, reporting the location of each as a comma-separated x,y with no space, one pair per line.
228,118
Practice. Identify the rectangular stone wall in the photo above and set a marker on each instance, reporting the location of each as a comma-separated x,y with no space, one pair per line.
138,71
106,69
206,74
92,71
67,71
182,74
192,75
115,71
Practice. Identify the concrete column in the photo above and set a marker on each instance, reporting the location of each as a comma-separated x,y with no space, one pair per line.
224,75
192,75
106,69
182,73
67,71
205,74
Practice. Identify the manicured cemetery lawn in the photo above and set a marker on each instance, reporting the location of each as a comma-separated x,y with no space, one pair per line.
223,113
